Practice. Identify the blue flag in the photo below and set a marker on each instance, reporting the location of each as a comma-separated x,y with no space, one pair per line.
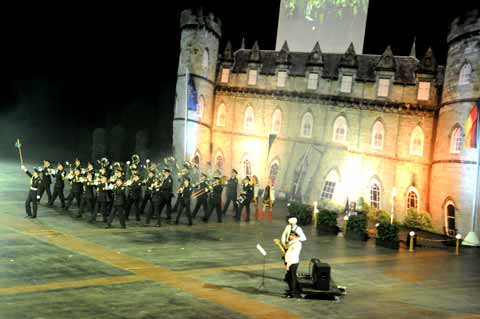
191,94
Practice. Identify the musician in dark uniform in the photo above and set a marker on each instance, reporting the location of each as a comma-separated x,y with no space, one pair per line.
102,199
232,186
202,199
134,196
268,199
88,198
161,198
33,197
76,191
148,191
59,186
216,199
119,200
246,197
184,197
46,180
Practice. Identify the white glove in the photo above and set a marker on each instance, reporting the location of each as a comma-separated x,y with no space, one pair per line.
38,197
128,162
24,168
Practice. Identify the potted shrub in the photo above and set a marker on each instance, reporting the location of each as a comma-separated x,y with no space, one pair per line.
387,235
302,212
357,227
327,222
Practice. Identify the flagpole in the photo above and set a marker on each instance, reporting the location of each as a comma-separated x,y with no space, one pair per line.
185,116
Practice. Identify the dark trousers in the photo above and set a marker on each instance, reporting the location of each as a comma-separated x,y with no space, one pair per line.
201,202
120,211
42,188
31,204
57,192
217,206
245,204
184,206
102,208
230,199
292,280
134,202
71,197
147,198
88,203
157,210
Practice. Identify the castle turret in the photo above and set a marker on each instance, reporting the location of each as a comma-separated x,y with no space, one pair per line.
199,44
453,172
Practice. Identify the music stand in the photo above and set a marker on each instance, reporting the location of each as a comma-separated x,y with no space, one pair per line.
264,253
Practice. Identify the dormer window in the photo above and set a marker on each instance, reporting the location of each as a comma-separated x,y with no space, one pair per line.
225,75
383,88
346,84
312,81
423,91
252,77
281,79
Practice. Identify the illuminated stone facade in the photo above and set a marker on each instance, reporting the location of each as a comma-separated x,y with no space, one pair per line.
339,125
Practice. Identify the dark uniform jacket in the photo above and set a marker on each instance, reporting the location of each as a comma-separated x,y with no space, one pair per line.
186,194
119,196
217,193
77,184
102,192
60,179
135,191
89,187
248,190
201,186
232,186
46,179
166,187
34,181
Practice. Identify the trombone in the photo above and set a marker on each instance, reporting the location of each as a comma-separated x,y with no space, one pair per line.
207,189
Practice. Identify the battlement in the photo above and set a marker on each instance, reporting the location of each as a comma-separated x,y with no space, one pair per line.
197,18
467,23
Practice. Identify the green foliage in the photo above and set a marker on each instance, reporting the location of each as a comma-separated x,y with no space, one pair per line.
378,216
302,212
388,232
357,224
328,204
418,220
362,206
327,217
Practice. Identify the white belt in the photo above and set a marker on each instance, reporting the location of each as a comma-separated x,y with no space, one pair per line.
34,189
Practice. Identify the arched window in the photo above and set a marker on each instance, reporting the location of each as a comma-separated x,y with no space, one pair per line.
331,182
378,133
456,141
276,121
340,130
307,125
450,227
221,115
465,74
201,106
375,194
416,142
219,161
247,167
249,119
274,167
413,198
205,62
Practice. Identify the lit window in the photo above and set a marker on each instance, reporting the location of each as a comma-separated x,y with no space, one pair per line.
375,195
423,91
221,114
383,87
247,167
249,119
274,171
465,74
378,133
225,75
346,84
252,77
412,198
219,161
281,79
307,125
340,130
205,62
276,121
416,142
331,182
201,106
450,218
312,81
456,141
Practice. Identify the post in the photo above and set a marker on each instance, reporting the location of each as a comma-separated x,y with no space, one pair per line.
457,246
345,224
315,214
185,116
412,235
394,194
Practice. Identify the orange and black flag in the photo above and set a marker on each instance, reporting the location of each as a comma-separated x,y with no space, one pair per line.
471,128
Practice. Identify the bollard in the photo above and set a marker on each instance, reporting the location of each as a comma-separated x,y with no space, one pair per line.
457,247
345,224
410,248
315,214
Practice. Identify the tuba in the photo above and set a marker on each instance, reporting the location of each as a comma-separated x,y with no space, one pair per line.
135,159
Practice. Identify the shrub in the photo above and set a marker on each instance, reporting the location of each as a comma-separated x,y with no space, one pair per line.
357,224
418,220
388,232
327,217
302,212
328,204
379,216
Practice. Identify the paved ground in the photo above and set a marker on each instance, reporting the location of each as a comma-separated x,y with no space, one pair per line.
60,267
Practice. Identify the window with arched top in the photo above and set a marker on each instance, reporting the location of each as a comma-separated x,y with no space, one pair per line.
196,158
205,62
465,74
416,142
219,161
456,140
221,115
331,183
307,125
378,134
247,167
201,106
450,227
340,130
249,119
274,168
375,194
413,198
276,121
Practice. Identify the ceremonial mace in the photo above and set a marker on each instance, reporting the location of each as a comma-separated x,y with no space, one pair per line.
19,146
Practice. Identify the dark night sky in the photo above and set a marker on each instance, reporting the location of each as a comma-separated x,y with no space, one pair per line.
70,67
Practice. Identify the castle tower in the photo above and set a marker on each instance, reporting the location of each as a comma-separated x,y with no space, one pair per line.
454,167
199,44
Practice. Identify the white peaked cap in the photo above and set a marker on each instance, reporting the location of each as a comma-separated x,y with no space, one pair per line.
292,220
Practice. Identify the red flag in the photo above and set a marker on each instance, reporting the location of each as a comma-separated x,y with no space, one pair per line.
471,128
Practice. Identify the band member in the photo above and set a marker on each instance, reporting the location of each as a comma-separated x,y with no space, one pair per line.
118,204
202,199
90,169
182,174
268,200
216,200
292,227
46,180
156,201
102,199
88,198
185,193
246,197
161,197
32,197
77,189
256,189
59,186
77,165
292,259
232,186
134,196
147,198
